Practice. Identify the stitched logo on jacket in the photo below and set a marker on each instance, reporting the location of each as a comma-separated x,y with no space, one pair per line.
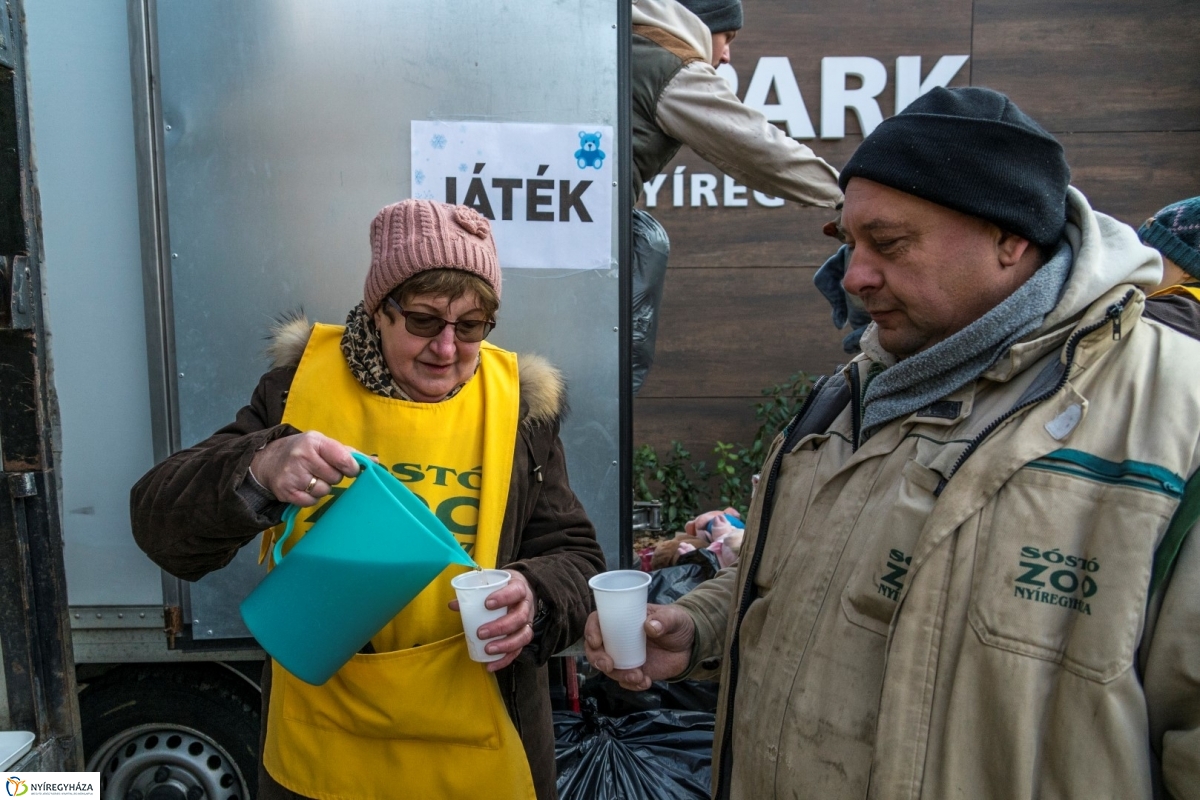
1049,576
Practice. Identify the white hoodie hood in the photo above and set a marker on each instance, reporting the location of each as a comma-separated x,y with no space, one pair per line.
1107,253
672,17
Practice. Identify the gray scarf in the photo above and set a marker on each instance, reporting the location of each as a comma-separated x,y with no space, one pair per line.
951,364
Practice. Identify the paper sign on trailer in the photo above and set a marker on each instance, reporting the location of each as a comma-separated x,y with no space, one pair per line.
548,189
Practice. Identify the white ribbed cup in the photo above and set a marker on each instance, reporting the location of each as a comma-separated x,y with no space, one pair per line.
473,588
621,607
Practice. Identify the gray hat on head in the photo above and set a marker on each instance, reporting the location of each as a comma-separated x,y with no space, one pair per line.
719,15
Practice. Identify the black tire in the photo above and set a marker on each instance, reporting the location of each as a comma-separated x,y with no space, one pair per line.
178,732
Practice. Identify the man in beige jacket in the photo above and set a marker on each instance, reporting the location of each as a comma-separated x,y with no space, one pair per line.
968,571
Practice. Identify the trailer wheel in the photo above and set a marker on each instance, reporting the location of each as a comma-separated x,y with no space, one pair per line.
163,733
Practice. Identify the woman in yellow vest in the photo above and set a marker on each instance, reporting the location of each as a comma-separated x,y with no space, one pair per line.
473,431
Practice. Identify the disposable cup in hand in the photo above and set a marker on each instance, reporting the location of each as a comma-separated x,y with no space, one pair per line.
473,588
621,607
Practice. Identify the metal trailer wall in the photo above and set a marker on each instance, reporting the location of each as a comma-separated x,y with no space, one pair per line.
262,131
87,175
280,129
85,129
82,126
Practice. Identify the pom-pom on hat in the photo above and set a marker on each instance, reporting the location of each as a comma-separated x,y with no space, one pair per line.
417,235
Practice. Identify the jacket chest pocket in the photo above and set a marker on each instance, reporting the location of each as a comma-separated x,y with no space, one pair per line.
786,539
1062,569
892,529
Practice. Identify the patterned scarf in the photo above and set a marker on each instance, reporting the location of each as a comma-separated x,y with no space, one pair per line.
364,356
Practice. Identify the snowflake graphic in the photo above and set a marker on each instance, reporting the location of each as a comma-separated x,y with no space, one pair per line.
426,195
438,142
419,177
462,167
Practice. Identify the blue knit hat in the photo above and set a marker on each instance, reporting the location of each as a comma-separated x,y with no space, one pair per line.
1175,232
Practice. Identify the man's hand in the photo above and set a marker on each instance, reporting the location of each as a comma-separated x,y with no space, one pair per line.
516,626
300,469
669,635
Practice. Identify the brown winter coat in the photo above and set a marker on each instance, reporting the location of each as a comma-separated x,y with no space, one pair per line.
189,518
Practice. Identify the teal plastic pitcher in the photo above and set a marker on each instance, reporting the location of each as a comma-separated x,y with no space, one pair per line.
373,550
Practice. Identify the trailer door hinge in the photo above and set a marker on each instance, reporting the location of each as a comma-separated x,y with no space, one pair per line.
21,283
22,484
173,624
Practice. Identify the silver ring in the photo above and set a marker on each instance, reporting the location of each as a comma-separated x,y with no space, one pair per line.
311,484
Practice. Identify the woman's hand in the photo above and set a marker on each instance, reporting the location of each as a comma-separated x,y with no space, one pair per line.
516,626
299,469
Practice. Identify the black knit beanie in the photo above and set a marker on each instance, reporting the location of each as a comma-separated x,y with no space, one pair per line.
974,151
1175,232
719,15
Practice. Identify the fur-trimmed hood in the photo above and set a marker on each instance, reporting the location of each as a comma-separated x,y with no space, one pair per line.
542,386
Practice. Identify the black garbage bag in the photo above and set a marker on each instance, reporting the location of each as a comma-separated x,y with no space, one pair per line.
651,755
614,701
671,583
650,250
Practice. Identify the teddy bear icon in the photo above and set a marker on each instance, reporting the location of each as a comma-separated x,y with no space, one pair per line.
589,153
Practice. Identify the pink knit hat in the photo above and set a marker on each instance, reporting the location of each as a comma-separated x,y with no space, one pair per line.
417,235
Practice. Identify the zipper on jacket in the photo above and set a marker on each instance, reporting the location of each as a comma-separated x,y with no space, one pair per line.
1138,474
855,407
747,596
1111,316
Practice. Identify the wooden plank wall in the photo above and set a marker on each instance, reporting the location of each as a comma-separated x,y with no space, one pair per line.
1117,82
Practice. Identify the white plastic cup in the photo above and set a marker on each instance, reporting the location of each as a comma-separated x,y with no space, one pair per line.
473,588
621,607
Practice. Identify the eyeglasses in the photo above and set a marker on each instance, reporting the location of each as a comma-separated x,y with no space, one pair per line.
428,326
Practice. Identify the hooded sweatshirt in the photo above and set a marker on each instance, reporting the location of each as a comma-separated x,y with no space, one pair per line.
680,98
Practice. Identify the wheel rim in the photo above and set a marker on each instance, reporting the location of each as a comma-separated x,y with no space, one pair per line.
166,762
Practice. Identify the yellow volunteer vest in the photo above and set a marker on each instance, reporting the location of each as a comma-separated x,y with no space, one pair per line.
416,718
1191,290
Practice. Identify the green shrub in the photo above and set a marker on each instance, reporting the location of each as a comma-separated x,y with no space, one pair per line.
687,488
681,483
